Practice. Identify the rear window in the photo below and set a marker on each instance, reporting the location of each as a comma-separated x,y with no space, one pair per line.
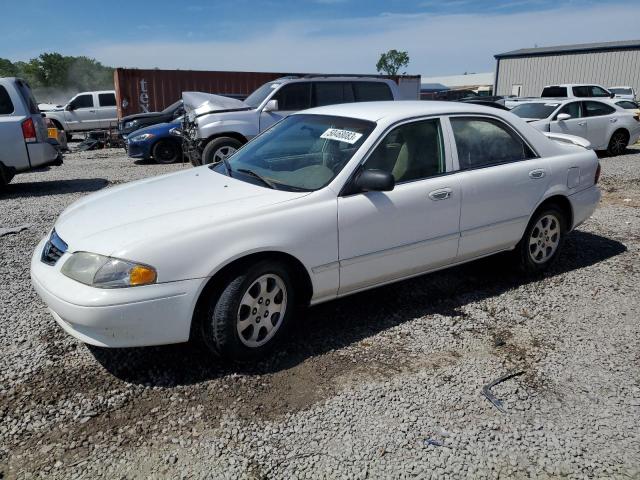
628,105
27,96
6,105
597,109
371,91
554,92
535,110
621,91
107,99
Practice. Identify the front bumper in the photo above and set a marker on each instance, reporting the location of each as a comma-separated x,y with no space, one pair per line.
137,150
122,317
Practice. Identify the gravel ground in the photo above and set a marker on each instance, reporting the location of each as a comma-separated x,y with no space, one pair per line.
381,384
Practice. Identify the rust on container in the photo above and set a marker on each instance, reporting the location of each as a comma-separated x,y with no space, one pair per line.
140,91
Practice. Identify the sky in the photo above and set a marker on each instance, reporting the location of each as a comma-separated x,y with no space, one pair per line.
323,36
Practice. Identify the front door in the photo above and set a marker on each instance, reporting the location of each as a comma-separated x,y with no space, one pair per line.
81,113
576,125
502,181
384,236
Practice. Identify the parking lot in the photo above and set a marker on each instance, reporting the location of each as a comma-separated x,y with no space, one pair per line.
385,383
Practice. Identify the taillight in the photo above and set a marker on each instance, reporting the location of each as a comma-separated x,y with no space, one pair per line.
29,131
597,177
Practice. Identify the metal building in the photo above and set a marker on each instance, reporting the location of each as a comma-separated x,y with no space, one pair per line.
526,71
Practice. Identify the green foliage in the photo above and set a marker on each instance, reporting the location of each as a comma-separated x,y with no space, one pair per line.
53,71
391,62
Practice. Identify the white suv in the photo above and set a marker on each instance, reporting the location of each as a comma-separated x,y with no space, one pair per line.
86,111
24,143
215,126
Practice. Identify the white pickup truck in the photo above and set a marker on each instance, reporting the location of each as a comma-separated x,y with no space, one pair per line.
565,90
86,111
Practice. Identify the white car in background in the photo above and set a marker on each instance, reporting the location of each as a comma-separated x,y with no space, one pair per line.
85,112
326,203
605,125
565,90
625,93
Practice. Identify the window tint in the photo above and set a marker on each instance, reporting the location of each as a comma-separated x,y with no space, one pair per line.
572,109
483,141
554,92
331,93
83,101
107,99
295,96
534,110
598,92
597,109
621,91
627,104
583,91
27,95
6,105
410,152
371,91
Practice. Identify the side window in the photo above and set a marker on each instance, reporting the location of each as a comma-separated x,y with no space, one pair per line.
294,96
83,101
483,141
328,93
627,104
572,109
554,92
599,92
583,91
371,91
6,105
27,95
410,152
107,99
597,109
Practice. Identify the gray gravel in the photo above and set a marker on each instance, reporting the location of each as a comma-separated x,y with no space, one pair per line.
382,384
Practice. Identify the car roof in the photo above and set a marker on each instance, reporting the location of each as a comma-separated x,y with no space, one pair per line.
400,109
574,85
321,78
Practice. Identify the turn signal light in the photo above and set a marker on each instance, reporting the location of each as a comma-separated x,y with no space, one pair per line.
141,275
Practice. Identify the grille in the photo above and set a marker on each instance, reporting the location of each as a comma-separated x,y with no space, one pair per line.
53,249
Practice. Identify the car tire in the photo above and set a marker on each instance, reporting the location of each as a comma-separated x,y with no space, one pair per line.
166,152
542,239
618,143
218,149
5,176
250,313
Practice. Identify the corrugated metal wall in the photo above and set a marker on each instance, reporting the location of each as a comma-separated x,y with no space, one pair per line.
610,68
153,90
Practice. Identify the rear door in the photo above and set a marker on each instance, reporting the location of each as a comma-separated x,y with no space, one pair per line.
502,180
576,125
106,115
82,113
601,121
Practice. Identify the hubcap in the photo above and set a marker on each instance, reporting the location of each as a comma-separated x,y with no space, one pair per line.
545,238
223,153
261,311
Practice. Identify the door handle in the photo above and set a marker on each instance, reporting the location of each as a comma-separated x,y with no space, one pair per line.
441,194
535,174
582,124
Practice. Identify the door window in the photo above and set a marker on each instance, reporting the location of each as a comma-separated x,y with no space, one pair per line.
597,109
484,141
554,91
332,93
83,101
599,92
294,96
371,91
574,109
410,152
107,99
6,105
628,105
582,91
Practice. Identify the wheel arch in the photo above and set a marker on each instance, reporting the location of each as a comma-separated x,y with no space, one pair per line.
158,140
300,277
560,201
57,123
235,135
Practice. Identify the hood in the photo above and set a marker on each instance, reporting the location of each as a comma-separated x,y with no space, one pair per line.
50,107
124,220
156,129
198,103
140,116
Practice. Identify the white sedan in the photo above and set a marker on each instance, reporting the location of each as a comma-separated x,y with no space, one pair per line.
606,125
326,203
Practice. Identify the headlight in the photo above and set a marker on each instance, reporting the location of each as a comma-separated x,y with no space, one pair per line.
130,124
107,272
142,137
176,131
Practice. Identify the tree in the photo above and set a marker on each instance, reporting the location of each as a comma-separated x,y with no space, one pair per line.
391,62
7,69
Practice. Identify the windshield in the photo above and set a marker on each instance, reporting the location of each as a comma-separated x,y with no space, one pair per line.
621,91
257,97
172,107
534,110
300,153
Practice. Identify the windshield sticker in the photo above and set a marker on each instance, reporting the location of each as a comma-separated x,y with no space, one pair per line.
341,135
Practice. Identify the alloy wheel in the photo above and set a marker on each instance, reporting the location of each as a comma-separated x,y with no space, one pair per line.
618,143
223,153
262,309
544,239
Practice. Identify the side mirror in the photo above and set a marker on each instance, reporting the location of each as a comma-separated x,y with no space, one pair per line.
271,106
612,95
563,116
375,181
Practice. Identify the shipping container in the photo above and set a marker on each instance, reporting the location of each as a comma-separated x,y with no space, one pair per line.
139,91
